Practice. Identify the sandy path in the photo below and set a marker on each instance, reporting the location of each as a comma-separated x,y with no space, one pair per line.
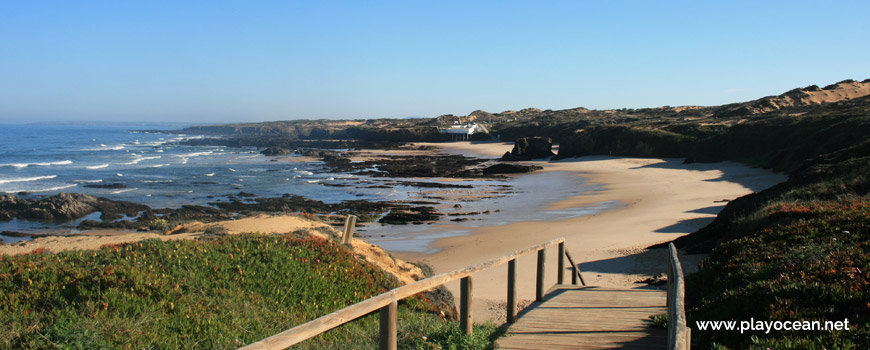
663,199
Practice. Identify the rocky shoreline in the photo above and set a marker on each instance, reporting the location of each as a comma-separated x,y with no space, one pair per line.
403,168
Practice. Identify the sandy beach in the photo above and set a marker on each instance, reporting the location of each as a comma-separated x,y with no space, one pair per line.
662,200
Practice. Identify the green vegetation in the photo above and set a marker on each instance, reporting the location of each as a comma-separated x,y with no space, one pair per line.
802,261
220,293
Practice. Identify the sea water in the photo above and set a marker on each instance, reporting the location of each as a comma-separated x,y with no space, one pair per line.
155,169
152,168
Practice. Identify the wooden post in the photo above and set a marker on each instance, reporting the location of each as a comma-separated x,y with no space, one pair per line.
574,274
349,226
466,319
512,291
561,265
539,282
388,333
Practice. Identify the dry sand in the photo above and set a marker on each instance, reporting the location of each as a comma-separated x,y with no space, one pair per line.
663,199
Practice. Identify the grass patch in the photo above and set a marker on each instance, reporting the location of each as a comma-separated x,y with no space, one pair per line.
809,261
220,293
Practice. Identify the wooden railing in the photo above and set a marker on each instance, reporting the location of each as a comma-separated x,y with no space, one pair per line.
387,302
679,335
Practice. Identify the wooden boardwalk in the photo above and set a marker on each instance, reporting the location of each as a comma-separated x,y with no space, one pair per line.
576,317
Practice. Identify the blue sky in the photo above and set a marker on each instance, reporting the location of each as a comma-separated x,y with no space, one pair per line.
225,61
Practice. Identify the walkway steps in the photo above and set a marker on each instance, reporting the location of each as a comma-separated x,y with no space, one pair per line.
577,317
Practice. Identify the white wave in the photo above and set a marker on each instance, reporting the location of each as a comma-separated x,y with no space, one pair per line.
231,169
305,172
89,181
27,179
92,167
58,188
312,181
119,174
140,159
105,148
159,151
196,154
158,165
123,190
24,165
156,181
209,174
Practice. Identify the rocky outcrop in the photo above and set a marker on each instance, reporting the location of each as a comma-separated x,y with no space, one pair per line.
65,206
625,141
503,168
275,151
528,148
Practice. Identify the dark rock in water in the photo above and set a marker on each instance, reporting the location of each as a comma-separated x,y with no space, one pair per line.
527,148
416,215
65,206
275,151
14,234
246,194
503,168
116,185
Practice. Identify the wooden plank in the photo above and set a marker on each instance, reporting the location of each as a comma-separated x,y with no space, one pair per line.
349,227
576,268
512,291
539,280
679,336
388,335
560,276
575,317
466,318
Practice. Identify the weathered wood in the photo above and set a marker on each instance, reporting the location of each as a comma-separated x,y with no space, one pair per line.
349,227
388,335
679,335
466,317
560,276
575,317
324,323
539,280
512,291
576,269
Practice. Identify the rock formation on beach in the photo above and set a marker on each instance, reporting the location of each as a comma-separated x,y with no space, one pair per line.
528,148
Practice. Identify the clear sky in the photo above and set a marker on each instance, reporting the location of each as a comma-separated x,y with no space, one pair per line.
225,61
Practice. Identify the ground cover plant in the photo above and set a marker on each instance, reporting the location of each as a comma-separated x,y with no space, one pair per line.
219,293
804,261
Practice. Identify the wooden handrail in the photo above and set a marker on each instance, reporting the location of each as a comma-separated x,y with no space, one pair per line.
679,335
324,323
576,270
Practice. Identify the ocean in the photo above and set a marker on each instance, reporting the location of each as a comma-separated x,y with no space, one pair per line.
153,169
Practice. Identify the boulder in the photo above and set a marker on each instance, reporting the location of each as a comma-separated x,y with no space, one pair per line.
503,168
275,151
528,148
